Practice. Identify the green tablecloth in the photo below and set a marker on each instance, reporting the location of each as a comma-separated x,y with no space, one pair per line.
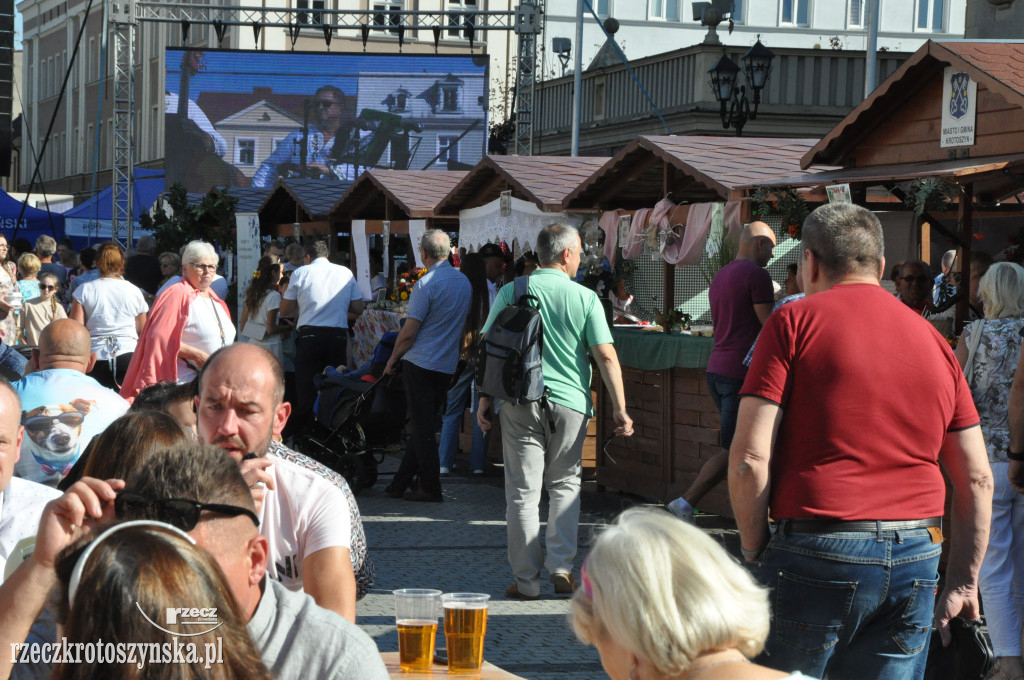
657,351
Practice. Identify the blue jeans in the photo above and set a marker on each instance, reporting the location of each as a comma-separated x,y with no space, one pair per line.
458,395
725,392
850,605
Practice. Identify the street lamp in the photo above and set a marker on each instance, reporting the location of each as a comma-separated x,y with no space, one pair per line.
562,48
757,66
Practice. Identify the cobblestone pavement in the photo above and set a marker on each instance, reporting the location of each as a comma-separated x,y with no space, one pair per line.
460,545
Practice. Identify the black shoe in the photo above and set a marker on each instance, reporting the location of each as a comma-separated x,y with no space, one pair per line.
393,492
422,496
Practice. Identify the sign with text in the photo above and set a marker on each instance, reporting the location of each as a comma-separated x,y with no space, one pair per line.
959,108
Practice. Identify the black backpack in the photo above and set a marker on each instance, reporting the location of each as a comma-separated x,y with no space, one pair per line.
509,363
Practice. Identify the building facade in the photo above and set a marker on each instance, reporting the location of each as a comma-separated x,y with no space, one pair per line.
80,115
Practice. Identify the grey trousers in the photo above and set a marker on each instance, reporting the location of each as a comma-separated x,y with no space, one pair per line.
535,459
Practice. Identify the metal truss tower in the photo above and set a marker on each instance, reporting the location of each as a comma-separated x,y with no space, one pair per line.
125,16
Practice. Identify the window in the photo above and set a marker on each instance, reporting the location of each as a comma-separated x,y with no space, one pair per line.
444,95
931,15
601,7
398,101
245,151
314,17
275,142
387,14
737,11
448,148
664,10
599,99
794,12
857,12
457,21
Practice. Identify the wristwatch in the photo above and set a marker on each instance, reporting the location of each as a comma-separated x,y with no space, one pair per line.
1013,455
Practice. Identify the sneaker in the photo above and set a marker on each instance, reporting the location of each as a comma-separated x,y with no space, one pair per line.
564,584
681,509
513,592
445,471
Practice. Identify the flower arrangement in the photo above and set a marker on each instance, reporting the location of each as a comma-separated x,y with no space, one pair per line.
786,202
405,283
670,318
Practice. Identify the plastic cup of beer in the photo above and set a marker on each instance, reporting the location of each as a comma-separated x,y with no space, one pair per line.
465,624
416,617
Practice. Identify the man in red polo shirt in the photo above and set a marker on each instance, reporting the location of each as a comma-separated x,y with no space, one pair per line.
851,404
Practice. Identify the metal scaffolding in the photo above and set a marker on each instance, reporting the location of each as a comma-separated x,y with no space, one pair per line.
125,16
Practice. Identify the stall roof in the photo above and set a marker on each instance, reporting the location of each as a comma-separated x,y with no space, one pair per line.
314,198
416,194
707,169
996,66
250,199
987,174
543,180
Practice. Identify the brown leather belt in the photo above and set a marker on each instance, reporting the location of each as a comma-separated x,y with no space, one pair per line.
831,526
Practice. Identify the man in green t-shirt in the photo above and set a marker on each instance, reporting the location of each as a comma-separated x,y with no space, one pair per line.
542,442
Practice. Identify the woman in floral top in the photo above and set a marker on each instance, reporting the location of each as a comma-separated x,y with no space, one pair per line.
1002,573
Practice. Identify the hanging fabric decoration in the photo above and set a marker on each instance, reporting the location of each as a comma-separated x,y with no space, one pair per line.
609,224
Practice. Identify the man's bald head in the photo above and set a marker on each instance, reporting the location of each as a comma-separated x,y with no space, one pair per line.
756,243
64,344
247,356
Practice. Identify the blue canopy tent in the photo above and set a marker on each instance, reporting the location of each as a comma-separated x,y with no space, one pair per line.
89,222
34,222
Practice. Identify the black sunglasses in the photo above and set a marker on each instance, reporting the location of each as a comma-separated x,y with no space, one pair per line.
41,424
42,287
182,513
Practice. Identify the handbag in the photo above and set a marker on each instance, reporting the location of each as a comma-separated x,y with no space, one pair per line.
972,349
968,657
254,330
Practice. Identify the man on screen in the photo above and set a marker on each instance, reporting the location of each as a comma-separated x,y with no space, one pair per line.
328,108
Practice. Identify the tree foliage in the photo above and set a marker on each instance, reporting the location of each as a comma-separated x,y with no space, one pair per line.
213,219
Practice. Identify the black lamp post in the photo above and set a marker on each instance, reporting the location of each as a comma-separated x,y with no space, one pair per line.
757,66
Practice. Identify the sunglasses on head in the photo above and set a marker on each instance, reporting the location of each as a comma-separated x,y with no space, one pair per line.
41,424
182,513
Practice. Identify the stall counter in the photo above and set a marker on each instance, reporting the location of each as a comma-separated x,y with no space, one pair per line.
675,421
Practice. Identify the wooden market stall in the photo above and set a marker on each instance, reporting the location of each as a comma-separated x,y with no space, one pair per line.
301,207
952,114
675,420
389,202
536,186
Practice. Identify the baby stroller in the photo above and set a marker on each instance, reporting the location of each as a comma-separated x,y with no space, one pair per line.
356,415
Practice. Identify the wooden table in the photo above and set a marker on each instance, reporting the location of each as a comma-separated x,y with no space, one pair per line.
488,672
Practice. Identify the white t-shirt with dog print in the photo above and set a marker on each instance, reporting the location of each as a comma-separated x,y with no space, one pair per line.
62,410
304,514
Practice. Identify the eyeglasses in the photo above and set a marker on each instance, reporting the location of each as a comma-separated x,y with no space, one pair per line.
42,287
323,104
916,279
182,513
43,424
204,267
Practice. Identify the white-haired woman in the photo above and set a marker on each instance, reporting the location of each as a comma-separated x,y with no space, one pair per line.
992,347
660,600
187,323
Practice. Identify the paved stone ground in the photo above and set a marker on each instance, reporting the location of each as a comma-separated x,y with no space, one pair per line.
460,545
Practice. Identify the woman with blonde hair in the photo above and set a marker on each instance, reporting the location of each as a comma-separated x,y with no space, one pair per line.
114,310
39,313
188,323
28,285
988,351
118,587
661,600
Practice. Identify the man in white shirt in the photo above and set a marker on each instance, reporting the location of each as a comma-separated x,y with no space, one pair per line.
327,298
305,518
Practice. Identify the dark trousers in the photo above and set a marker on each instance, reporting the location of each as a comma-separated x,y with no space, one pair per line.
101,371
425,393
316,347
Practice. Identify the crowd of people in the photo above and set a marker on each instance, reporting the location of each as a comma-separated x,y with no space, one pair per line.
145,459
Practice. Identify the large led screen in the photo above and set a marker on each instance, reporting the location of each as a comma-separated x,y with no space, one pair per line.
246,118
